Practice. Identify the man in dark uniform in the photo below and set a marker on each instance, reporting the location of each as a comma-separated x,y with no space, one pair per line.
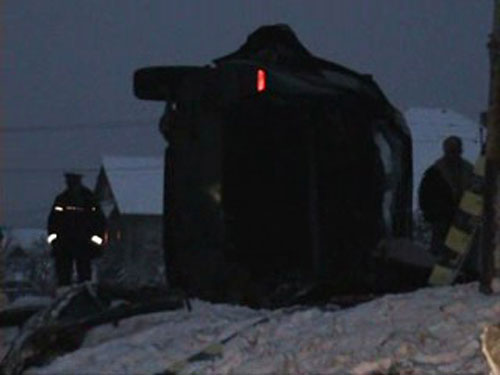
441,189
75,230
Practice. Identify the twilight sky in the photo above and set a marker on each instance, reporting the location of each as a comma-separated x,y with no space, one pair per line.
67,64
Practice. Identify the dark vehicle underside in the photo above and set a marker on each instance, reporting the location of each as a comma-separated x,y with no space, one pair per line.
281,169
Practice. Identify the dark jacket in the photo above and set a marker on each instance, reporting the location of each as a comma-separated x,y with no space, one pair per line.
75,217
439,193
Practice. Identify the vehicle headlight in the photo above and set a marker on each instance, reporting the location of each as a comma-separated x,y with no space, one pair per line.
51,237
97,240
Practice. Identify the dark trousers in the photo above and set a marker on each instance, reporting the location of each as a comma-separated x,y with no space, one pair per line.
64,261
487,264
439,233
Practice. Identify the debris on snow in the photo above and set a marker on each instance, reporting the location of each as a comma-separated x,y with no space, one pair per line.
61,327
430,331
491,347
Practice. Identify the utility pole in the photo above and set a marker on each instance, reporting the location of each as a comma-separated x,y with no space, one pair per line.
490,248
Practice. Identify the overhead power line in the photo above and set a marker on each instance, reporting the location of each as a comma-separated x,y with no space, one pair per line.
76,127
83,170
27,210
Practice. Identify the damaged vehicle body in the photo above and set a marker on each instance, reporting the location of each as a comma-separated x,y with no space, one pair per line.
281,167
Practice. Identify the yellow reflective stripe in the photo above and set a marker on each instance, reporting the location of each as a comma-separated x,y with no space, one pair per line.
96,239
74,208
441,275
458,240
472,203
480,166
51,237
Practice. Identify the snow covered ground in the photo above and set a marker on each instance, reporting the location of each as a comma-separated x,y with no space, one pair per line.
430,331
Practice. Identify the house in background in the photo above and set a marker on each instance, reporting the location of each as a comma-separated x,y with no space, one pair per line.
130,193
25,262
21,248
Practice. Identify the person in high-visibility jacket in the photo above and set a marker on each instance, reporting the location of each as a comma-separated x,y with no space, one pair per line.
76,229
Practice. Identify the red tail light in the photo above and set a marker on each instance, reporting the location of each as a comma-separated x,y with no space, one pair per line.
261,80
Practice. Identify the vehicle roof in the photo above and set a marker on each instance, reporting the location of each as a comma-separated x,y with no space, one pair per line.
277,46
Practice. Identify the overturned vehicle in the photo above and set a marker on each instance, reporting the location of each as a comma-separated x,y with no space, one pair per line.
281,168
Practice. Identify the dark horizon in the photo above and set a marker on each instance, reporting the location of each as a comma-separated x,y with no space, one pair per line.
70,65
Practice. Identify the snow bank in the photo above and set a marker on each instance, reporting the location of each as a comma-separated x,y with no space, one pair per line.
29,300
431,331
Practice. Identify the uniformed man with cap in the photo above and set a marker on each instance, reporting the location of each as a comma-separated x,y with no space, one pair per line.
76,228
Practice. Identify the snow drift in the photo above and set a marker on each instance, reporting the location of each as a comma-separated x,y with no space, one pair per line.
430,331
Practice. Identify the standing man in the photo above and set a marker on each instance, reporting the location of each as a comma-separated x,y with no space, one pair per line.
441,189
75,230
